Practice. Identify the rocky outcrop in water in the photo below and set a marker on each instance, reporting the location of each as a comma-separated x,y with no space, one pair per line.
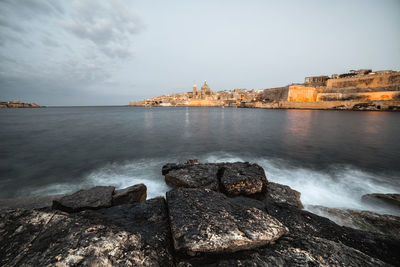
278,193
239,178
192,227
242,178
95,198
361,219
100,197
390,200
129,195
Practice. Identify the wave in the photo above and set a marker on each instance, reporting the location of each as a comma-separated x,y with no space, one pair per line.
335,187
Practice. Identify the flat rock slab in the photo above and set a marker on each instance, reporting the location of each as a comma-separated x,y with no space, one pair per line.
194,176
132,194
126,235
242,178
94,198
205,221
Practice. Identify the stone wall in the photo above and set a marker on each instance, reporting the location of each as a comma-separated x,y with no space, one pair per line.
274,94
384,105
367,96
302,93
204,103
367,81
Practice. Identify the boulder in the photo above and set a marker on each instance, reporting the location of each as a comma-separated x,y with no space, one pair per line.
173,166
129,195
194,176
94,198
126,235
390,200
304,223
204,221
361,219
283,194
239,178
242,178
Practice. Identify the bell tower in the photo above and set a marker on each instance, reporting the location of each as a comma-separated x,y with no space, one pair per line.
194,90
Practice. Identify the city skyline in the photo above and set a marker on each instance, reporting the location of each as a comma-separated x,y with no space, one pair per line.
110,53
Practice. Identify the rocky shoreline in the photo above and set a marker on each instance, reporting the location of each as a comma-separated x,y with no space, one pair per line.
18,104
217,214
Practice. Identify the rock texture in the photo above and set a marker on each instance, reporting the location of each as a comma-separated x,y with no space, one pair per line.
304,223
290,251
242,178
239,178
127,235
194,176
206,221
95,198
283,194
361,219
129,195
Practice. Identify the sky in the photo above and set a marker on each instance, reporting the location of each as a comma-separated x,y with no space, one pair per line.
93,52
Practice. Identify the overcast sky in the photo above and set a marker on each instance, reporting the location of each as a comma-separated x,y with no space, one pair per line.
112,52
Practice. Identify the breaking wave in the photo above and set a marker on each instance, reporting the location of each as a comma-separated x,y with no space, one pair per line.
336,187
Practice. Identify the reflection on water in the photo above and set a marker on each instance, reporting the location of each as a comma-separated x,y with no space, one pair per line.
61,147
148,119
296,128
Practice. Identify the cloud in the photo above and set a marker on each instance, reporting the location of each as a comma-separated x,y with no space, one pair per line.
48,41
51,47
110,26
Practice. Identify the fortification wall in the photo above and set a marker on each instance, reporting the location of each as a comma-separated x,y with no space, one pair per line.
302,93
204,103
367,81
274,94
366,96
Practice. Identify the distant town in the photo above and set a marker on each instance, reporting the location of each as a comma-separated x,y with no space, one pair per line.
362,89
18,104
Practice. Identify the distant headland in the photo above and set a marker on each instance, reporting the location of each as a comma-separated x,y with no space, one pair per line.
18,104
362,89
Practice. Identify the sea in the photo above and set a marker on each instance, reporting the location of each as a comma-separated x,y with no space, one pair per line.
331,157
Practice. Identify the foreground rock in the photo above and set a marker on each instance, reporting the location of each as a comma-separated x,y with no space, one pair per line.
283,194
239,178
290,251
100,197
242,178
95,198
132,194
361,219
194,176
195,227
206,221
127,235
307,224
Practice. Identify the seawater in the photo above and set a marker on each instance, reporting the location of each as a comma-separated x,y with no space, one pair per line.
331,157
